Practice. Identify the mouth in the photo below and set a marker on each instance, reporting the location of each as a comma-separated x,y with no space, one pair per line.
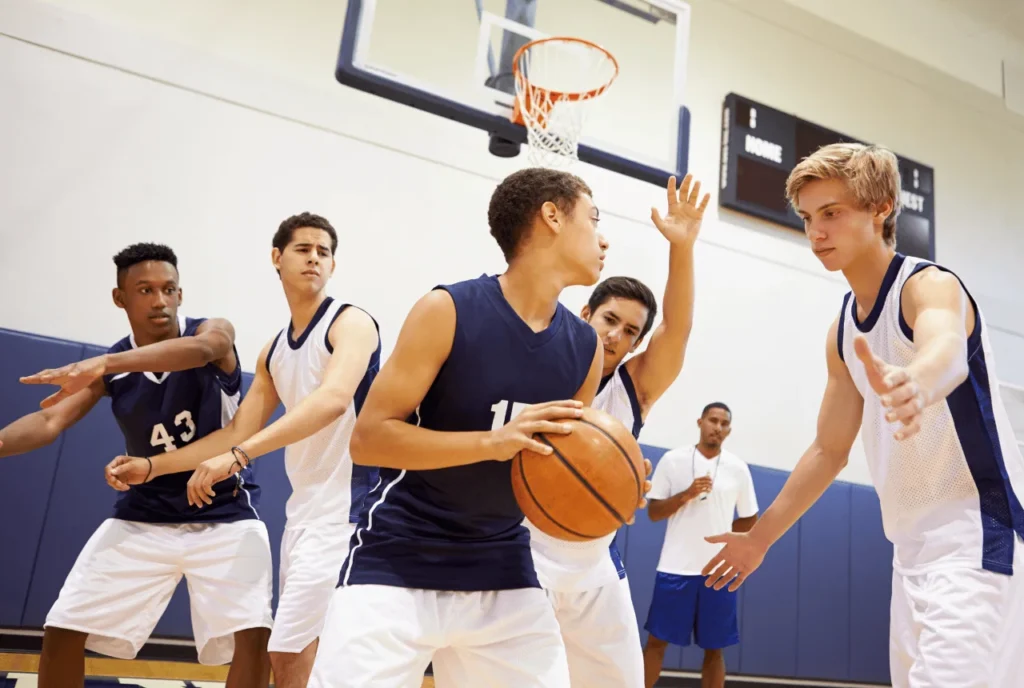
161,319
821,253
311,273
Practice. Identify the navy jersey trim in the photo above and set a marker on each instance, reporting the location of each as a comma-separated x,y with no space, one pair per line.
270,353
297,343
634,401
883,294
840,334
532,339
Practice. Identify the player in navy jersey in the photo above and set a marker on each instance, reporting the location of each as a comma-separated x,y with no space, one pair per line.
440,566
171,382
320,366
586,581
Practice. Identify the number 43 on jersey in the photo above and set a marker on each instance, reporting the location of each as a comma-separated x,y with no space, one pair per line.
160,438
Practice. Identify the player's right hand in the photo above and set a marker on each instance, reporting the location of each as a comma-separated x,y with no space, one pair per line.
125,471
700,485
71,378
517,434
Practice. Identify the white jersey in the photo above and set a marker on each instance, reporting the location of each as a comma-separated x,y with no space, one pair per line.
949,495
566,566
326,486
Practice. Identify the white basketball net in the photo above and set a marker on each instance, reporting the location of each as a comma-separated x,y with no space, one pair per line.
556,78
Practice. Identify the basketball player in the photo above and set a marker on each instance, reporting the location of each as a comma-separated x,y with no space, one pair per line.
586,581
440,566
127,571
909,364
320,367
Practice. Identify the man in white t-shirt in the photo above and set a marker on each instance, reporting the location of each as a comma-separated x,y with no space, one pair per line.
697,489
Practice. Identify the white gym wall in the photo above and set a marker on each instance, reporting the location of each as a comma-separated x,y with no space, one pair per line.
203,123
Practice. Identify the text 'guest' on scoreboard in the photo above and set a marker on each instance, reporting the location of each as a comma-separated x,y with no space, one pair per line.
761,145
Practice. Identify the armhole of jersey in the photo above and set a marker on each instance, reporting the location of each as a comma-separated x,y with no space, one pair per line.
974,340
841,330
455,333
591,332
342,307
270,354
634,401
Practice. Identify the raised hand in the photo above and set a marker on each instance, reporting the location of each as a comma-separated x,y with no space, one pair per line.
682,223
72,378
517,434
895,387
125,471
739,558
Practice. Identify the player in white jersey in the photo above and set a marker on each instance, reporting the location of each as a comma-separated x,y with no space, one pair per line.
910,366
586,581
321,367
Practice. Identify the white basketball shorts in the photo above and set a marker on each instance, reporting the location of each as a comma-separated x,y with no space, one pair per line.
378,636
602,640
311,559
127,571
958,627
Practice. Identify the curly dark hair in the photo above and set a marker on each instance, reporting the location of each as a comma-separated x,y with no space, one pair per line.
284,233
140,253
519,197
625,288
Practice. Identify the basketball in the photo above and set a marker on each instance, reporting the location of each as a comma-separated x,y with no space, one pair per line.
589,486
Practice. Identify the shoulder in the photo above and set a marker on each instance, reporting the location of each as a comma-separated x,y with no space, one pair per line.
123,344
733,460
351,319
929,280
468,287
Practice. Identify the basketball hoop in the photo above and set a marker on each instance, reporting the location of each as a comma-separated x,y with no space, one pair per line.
556,78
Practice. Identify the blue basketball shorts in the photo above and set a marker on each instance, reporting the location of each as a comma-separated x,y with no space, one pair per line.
683,608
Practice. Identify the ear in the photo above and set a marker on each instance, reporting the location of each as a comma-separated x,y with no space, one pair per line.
551,216
585,312
275,258
883,211
118,296
181,296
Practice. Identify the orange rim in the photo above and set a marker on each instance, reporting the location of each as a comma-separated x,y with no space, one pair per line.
517,114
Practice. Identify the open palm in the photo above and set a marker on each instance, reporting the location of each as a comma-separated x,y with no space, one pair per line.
682,222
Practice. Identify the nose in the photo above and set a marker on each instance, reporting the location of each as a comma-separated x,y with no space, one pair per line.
613,337
813,232
603,242
160,300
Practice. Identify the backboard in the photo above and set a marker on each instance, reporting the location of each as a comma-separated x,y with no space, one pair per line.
453,59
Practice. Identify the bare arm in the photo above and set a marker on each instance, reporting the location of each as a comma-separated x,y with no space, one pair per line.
743,525
253,413
586,393
353,337
213,342
44,426
937,309
657,367
382,436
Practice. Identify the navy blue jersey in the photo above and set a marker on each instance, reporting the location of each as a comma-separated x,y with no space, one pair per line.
165,411
460,528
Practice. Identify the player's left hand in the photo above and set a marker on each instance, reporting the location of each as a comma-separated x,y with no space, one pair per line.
895,387
125,471
739,558
210,472
648,467
682,223
72,378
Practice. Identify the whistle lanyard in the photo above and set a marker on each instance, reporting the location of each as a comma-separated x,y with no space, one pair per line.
693,465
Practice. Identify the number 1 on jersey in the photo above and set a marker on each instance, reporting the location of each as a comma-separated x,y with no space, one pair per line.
502,415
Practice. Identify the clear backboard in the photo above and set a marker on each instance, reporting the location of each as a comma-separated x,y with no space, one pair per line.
453,58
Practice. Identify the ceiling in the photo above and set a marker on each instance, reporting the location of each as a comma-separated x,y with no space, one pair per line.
1001,16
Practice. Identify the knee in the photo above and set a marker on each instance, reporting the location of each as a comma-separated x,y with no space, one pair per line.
252,640
711,656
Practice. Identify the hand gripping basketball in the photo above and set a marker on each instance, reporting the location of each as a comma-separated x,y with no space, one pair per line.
587,483
518,433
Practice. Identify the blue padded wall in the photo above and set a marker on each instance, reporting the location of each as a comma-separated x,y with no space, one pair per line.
53,499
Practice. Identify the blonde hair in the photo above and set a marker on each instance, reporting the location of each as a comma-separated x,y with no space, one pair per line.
871,173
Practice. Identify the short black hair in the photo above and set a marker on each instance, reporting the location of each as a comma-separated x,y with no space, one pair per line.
285,231
625,288
519,197
140,253
714,405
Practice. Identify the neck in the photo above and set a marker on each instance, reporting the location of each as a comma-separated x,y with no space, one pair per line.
708,452
866,273
532,290
145,339
303,307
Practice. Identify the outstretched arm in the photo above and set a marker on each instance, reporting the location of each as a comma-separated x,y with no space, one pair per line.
42,427
252,414
353,338
383,436
838,422
655,369
213,342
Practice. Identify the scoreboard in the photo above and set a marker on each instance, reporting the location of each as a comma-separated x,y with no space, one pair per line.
761,145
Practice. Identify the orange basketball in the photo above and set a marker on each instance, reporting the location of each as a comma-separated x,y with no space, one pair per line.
589,486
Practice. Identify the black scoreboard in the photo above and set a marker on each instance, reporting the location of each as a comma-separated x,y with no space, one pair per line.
761,145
